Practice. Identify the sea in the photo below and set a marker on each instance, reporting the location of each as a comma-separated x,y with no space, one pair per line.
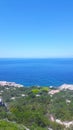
37,72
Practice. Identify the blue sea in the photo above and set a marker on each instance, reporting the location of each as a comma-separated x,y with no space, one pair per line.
42,72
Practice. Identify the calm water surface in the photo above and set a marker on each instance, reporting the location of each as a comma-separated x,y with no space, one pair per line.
43,72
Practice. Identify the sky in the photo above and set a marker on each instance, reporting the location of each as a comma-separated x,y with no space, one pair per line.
36,28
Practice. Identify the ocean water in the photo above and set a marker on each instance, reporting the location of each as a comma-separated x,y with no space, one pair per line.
42,72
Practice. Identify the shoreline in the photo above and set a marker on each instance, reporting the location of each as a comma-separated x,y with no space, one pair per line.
61,87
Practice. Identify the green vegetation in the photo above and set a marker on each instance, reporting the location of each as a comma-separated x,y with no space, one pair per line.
32,108
60,107
40,90
5,125
35,90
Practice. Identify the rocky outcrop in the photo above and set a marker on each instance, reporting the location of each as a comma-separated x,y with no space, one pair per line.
5,83
66,86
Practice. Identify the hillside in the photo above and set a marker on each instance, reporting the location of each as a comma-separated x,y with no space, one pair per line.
36,108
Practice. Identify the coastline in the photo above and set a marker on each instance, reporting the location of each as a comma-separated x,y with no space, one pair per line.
59,88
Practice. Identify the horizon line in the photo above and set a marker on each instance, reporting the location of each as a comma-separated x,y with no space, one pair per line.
36,57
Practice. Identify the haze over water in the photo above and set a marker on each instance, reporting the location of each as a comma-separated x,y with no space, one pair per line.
43,72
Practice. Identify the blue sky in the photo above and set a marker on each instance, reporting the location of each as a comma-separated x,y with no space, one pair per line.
36,28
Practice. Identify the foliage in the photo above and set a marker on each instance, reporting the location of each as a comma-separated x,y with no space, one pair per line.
5,125
34,111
